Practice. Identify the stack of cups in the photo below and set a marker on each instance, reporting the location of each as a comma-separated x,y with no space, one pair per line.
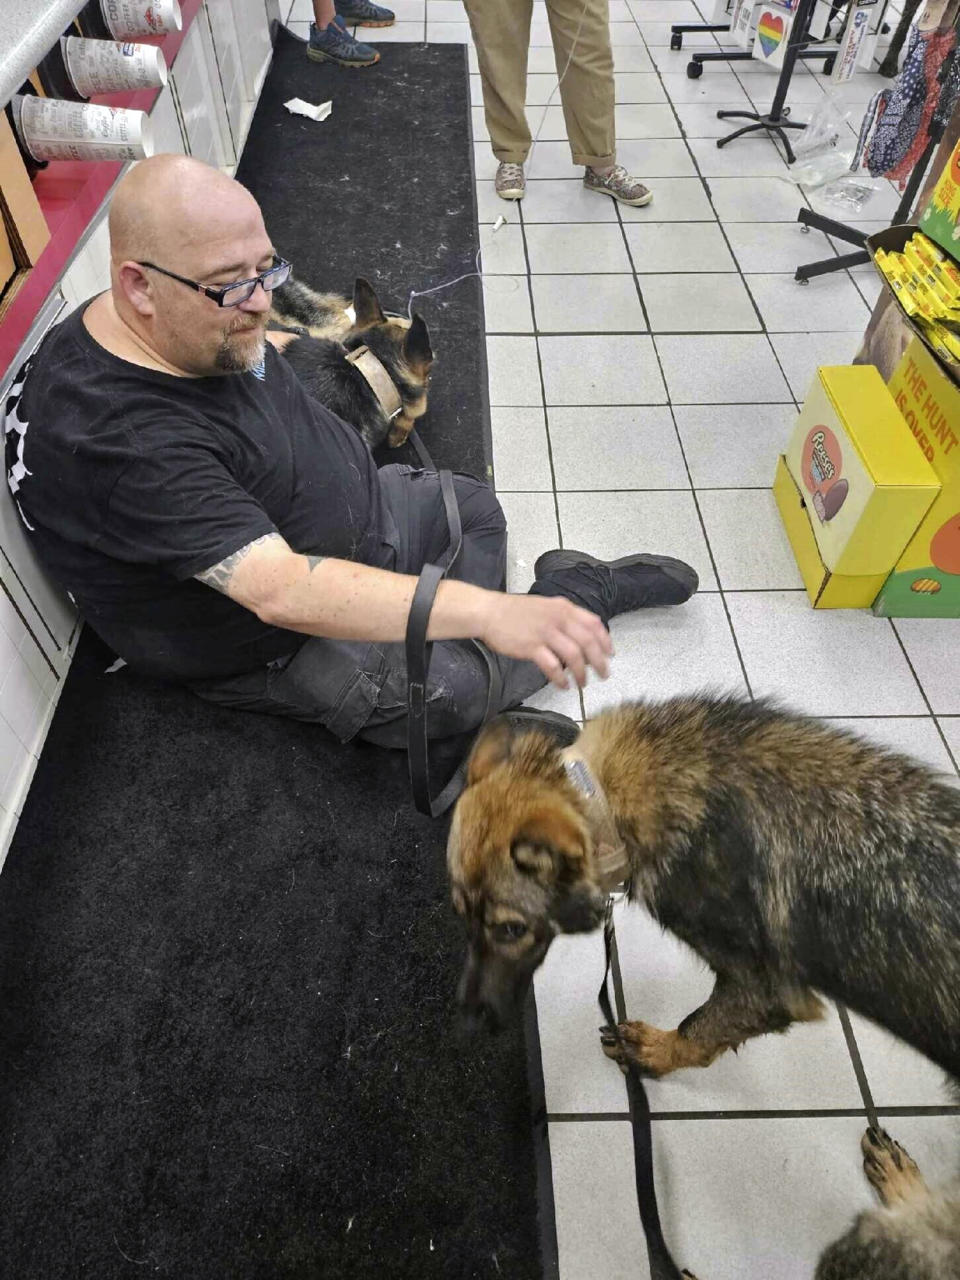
54,130
128,18
99,66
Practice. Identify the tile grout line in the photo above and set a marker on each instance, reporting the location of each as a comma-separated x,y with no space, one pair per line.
543,404
696,501
870,1112
788,1113
546,1199
923,694
804,200
709,194
852,1047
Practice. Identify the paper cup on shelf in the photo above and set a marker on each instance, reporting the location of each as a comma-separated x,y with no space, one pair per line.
55,130
128,18
100,66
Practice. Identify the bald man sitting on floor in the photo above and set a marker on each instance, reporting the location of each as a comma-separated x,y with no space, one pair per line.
219,528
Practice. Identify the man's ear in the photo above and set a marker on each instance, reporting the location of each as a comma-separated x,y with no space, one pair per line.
366,306
491,748
136,288
416,346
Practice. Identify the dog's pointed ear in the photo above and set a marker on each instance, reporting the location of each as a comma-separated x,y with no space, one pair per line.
416,345
491,748
551,846
366,305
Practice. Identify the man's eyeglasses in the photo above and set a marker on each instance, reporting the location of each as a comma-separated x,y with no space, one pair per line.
231,295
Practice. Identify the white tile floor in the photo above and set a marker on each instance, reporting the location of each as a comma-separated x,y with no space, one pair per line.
645,368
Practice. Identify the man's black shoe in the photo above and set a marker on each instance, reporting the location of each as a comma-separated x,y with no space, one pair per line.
611,587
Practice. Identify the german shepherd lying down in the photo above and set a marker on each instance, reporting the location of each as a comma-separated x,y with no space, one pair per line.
791,856
319,356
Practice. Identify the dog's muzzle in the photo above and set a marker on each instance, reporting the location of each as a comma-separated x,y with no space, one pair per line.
493,988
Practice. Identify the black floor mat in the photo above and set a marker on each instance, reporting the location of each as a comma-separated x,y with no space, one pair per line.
384,189
227,958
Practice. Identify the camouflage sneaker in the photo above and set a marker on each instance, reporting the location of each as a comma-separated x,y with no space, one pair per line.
361,13
619,184
510,183
336,44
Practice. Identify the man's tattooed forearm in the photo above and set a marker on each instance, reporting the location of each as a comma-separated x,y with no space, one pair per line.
219,576
313,561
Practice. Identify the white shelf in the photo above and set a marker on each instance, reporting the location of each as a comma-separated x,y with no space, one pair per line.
30,29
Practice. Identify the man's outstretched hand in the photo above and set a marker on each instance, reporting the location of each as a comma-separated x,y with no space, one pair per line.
558,636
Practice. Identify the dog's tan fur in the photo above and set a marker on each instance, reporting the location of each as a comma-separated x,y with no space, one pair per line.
318,356
792,856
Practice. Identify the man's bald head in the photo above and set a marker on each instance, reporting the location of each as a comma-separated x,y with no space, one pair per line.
174,214
167,206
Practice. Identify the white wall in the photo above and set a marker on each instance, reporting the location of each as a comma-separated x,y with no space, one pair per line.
205,110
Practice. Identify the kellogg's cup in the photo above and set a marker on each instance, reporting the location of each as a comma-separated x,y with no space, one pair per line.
55,130
100,66
129,18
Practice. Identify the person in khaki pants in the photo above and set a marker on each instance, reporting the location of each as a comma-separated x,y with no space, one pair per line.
581,43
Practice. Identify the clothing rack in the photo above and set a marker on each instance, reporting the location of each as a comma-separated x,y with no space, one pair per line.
695,65
776,121
850,235
890,64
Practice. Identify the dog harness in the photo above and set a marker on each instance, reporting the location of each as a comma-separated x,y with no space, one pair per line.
378,380
613,868
610,853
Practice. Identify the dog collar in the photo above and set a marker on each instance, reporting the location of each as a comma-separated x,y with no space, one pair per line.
610,853
379,381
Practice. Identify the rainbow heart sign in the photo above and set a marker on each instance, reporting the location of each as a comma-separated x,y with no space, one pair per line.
770,32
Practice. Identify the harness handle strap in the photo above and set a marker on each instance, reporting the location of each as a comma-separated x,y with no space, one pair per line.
662,1265
418,665
418,652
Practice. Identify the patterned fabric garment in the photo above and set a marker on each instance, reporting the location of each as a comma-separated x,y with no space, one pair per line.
939,48
904,110
950,92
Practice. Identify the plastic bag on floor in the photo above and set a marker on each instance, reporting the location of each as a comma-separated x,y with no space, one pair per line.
851,192
816,170
828,160
826,133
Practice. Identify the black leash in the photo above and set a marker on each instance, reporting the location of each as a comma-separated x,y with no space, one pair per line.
418,652
662,1265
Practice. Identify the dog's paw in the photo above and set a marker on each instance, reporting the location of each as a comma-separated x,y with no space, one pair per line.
646,1047
891,1172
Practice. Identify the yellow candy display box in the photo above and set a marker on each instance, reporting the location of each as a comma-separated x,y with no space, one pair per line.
852,487
941,218
925,582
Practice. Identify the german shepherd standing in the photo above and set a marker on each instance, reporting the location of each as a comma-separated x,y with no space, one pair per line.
791,856
319,356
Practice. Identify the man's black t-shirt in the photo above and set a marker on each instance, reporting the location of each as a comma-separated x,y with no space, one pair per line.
131,481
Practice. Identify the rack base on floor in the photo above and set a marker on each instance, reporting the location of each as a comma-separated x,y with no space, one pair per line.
808,218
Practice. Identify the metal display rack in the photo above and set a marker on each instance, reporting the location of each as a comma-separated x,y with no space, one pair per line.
695,65
850,235
776,121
